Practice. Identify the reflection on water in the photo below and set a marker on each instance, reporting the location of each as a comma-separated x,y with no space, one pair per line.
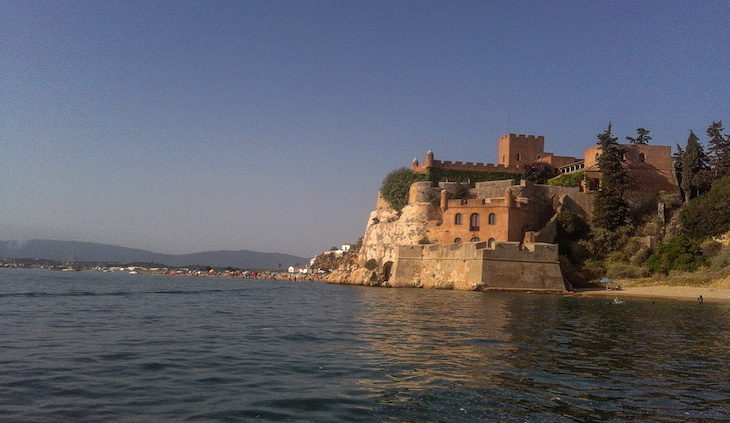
104,347
433,339
517,357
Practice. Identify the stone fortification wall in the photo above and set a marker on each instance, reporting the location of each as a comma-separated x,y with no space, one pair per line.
473,266
422,168
534,267
492,189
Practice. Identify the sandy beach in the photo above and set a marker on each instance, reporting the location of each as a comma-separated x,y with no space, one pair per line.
687,293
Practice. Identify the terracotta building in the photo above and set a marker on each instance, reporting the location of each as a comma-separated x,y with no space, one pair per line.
472,226
503,211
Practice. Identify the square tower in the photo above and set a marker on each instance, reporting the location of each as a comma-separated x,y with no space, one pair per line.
515,150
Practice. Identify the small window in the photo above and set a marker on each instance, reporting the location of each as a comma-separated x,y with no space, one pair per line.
474,222
457,219
457,240
597,156
474,239
504,159
642,158
492,219
518,157
490,243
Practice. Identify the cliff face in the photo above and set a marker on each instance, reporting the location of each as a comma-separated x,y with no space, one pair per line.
427,225
386,229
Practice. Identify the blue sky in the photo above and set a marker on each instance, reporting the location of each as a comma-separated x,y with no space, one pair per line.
184,126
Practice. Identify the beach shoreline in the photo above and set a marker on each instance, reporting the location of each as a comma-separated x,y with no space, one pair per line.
682,293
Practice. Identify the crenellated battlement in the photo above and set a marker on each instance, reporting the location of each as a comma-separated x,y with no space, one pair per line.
422,168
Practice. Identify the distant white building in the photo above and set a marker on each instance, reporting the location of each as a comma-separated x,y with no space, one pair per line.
298,269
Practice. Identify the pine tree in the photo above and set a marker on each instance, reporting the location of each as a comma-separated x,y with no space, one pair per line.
610,208
719,149
695,170
642,137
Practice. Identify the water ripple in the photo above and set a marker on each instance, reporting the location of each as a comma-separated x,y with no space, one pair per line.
102,347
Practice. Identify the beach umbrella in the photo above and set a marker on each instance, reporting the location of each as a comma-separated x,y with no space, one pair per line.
606,281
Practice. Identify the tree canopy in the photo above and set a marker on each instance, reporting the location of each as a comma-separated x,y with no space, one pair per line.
695,169
642,137
719,149
537,172
396,187
610,208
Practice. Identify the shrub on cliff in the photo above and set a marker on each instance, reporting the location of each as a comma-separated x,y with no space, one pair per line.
397,185
679,253
707,215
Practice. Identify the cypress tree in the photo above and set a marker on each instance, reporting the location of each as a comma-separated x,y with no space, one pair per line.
719,149
695,170
610,208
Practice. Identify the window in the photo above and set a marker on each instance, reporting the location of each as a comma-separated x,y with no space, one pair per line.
474,239
504,159
457,240
642,158
597,155
518,157
490,243
492,219
474,222
457,219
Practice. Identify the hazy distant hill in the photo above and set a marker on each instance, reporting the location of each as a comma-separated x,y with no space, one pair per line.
75,251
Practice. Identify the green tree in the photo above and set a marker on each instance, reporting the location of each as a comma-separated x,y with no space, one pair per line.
610,208
396,187
719,149
678,253
695,170
642,137
537,172
708,215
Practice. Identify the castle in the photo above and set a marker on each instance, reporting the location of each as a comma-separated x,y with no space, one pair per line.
471,226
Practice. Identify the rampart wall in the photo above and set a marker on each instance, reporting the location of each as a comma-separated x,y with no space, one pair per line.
473,266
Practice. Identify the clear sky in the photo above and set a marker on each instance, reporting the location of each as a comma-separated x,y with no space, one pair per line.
187,126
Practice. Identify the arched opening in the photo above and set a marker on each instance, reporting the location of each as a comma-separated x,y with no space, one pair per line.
386,270
490,243
457,240
474,239
457,219
474,222
492,219
642,158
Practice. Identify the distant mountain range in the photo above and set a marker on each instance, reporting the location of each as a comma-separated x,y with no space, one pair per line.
75,251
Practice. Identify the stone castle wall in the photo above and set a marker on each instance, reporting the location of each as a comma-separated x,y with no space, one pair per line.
473,266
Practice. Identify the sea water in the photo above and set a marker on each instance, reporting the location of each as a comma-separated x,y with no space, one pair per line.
87,346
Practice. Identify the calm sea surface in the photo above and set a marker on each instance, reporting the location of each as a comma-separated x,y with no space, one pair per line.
83,346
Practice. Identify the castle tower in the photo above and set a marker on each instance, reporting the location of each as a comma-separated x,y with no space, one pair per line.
515,150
